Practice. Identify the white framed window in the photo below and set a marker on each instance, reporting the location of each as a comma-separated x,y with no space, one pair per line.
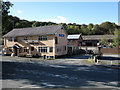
42,49
41,38
26,50
59,50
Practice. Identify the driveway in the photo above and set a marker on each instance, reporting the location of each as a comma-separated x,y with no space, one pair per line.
59,73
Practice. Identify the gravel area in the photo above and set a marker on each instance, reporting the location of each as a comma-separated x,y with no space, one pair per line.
73,72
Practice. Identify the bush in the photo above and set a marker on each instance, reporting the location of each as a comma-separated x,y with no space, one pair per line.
90,60
79,51
50,59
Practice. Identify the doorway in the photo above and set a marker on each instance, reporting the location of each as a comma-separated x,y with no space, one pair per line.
15,51
44,56
70,50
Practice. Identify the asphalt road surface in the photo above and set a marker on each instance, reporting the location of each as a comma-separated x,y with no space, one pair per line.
58,73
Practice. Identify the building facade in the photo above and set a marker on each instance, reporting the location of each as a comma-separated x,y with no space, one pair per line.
94,40
74,42
46,41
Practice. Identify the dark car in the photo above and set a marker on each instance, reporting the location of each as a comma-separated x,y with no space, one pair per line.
89,52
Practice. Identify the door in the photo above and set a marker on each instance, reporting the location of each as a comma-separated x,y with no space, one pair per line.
70,50
44,56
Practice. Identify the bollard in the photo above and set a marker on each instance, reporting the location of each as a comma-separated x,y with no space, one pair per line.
96,59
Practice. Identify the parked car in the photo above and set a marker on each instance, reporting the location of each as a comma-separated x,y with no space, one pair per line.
89,52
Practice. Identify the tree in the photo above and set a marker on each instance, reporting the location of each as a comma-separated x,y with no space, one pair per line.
23,24
97,30
76,29
6,20
84,29
36,24
83,26
104,40
90,26
107,28
116,41
70,29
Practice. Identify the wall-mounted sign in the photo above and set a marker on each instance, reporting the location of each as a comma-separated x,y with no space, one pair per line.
61,35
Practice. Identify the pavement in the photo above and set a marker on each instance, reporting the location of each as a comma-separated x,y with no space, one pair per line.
74,72
112,55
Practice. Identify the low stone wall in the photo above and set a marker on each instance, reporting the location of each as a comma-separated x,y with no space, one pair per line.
110,50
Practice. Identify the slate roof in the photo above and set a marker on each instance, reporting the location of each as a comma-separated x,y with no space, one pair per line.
75,36
43,30
97,37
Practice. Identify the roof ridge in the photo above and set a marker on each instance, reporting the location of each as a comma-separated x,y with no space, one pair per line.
44,30
34,27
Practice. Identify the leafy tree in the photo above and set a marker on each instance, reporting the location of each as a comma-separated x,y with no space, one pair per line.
36,24
23,24
96,30
76,29
90,26
84,29
70,29
104,40
6,20
107,28
116,41
83,26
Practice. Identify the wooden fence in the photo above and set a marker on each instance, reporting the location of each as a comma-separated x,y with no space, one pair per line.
110,50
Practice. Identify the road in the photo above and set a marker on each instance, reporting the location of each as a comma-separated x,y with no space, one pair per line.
59,73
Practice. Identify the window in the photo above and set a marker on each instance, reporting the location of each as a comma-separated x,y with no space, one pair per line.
48,57
26,50
73,40
34,43
42,38
42,49
9,39
69,40
15,39
65,48
59,50
32,48
56,40
10,49
51,49
25,38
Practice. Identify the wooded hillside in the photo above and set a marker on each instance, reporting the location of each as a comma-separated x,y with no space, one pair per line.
9,22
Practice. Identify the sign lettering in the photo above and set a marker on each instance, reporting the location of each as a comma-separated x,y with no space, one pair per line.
61,35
